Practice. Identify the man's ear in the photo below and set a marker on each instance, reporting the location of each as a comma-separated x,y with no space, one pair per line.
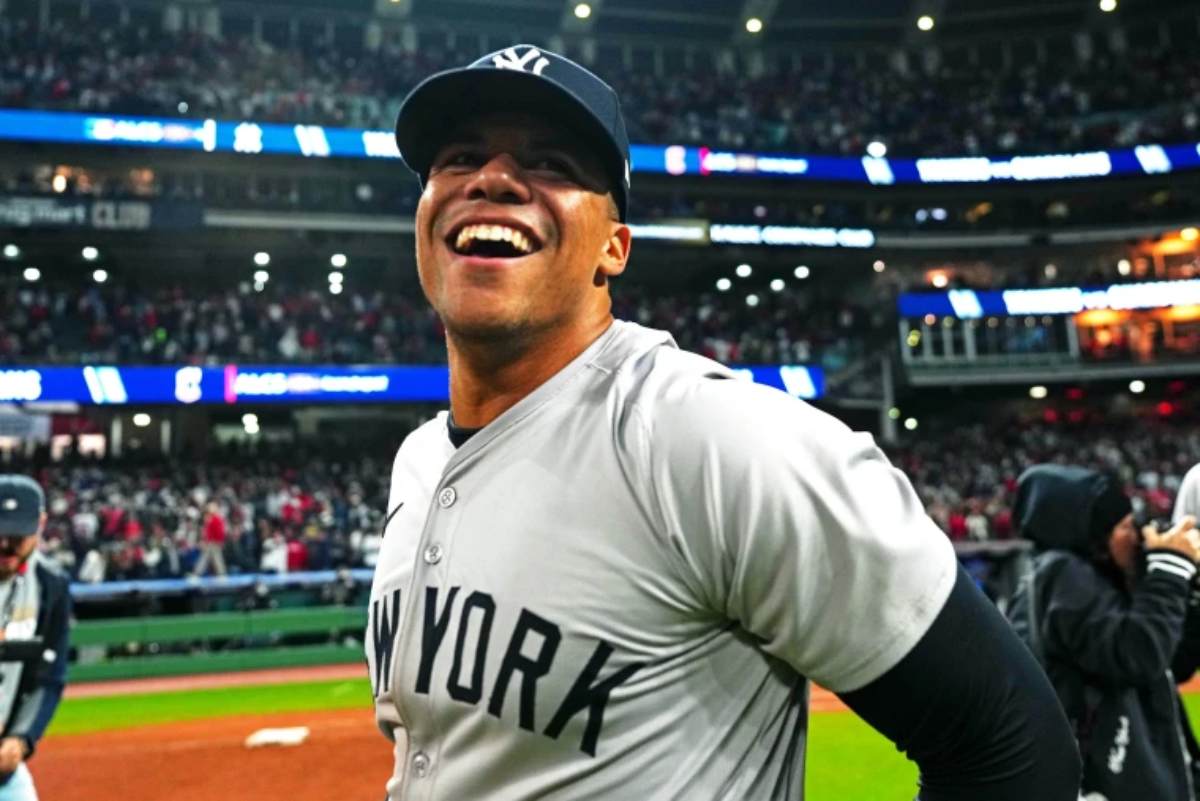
615,254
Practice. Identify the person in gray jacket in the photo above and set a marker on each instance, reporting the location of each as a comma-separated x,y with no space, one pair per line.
1103,610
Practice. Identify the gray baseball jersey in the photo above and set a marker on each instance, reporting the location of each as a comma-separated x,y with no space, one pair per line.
618,587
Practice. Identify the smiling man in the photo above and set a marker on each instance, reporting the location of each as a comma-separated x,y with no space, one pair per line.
609,571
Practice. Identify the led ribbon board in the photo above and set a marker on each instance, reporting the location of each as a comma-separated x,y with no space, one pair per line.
318,141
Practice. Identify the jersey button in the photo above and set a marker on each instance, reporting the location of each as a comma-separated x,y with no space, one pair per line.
433,554
447,497
420,764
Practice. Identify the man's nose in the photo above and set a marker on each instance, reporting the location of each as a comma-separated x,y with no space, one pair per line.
499,180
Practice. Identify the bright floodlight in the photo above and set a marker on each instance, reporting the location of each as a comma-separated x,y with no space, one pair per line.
1190,234
925,23
335,289
32,273
336,278
1038,392
262,258
879,266
752,300
141,419
939,280
261,276
250,419
59,183
801,272
754,25
338,260
1108,5
911,424
877,150
724,284
90,253
1137,387
743,271
777,285
12,252
100,276
583,11
1124,267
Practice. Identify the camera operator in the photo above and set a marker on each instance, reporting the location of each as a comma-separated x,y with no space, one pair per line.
1103,610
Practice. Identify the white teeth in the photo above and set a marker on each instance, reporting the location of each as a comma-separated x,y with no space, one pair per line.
492,233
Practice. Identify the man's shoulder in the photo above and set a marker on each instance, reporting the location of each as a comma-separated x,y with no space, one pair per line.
49,573
426,441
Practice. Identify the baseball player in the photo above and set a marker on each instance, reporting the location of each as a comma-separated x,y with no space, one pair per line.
609,571
35,609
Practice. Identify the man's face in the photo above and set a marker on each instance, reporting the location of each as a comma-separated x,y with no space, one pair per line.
515,230
14,551
1124,544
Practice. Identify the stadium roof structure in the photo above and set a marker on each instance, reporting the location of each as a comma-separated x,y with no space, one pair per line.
802,23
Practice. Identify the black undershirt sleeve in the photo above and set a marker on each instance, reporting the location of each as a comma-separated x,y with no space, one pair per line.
972,707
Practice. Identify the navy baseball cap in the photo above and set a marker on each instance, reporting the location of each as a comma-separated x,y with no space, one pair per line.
22,503
518,78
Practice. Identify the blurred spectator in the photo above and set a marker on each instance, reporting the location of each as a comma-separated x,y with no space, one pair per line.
212,546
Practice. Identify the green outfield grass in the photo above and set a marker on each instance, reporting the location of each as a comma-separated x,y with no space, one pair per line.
847,760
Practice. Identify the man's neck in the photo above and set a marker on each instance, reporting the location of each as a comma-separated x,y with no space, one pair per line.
488,379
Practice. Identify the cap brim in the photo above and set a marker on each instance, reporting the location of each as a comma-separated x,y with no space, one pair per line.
17,531
442,102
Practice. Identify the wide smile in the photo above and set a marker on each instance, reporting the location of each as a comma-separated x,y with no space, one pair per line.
492,241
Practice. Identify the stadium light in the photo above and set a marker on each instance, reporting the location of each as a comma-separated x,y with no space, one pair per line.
744,270
752,300
12,251
90,253
583,11
1137,387
1190,234
1124,267
925,23
261,276
1108,5
724,284
1038,392
141,419
754,25
336,278
182,107
335,289
777,285
911,424
879,266
32,273
100,276
939,280
1051,271
894,413
801,272
262,258
338,260
250,419
59,183
876,150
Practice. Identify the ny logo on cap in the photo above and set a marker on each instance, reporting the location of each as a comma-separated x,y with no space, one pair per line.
509,60
10,504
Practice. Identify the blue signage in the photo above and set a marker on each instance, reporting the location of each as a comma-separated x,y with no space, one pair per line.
318,141
118,386
969,304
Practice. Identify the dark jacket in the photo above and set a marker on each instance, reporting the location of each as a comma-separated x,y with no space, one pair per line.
1107,650
45,675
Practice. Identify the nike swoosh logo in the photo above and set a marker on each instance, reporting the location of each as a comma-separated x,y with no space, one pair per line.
388,519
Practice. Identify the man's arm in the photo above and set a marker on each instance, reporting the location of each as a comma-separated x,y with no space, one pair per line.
971,706
36,707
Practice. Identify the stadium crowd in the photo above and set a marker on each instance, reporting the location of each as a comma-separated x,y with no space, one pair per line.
115,323
271,510
1112,99
967,476
266,511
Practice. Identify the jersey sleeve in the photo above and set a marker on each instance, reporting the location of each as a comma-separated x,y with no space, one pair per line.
796,527
1187,502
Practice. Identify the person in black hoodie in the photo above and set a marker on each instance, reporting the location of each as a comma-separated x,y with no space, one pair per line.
1103,610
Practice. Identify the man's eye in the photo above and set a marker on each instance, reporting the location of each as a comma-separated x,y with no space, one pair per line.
551,164
462,158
